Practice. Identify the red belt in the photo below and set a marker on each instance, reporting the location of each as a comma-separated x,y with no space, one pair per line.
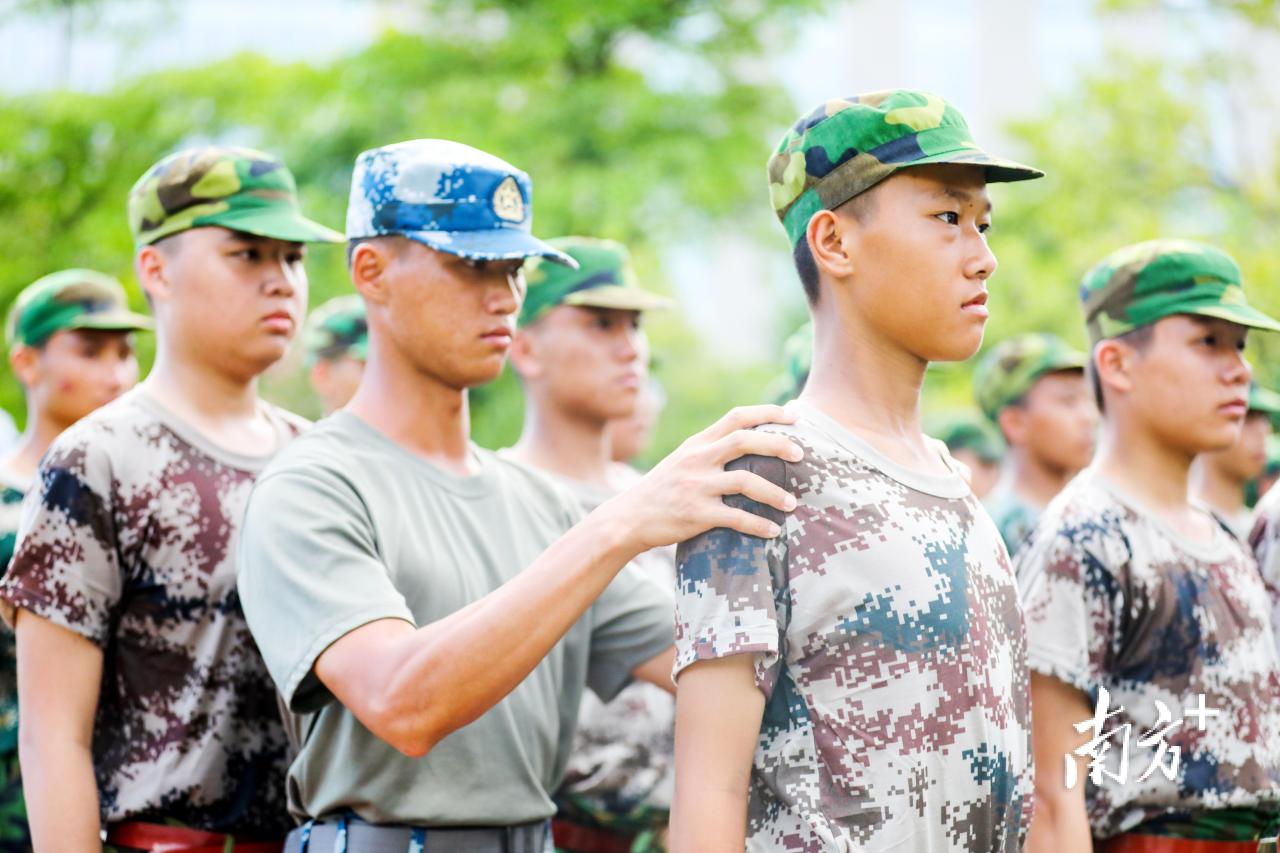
577,838
1162,844
159,838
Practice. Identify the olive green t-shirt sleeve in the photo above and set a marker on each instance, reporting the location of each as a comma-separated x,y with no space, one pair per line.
309,573
631,622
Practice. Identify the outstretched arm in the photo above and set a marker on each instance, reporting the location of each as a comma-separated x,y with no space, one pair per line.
413,686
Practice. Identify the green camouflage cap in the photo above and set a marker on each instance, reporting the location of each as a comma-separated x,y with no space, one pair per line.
237,188
1140,284
969,431
1009,370
337,328
1264,400
847,146
70,299
603,279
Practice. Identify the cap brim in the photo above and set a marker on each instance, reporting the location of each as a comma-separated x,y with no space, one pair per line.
1071,361
619,297
1244,315
998,170
113,321
1264,400
494,244
278,223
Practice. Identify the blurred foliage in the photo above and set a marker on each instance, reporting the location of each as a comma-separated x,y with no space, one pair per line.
611,155
1139,149
646,121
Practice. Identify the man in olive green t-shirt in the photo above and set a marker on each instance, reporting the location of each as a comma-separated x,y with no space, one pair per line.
423,605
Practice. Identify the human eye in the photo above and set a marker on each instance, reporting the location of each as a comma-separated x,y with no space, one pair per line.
984,227
951,217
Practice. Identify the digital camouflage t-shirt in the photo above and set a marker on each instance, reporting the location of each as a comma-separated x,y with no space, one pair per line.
1117,600
888,643
1265,542
127,539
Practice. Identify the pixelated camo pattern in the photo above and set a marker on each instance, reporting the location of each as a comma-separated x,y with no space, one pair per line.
1265,542
128,543
888,642
1114,600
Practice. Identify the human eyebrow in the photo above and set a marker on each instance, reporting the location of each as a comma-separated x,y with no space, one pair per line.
962,196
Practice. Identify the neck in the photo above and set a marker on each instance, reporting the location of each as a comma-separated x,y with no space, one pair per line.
564,443
1151,471
1210,484
868,385
415,410
198,391
1031,479
41,430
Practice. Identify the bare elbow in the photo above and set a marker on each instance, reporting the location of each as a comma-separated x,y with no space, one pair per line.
410,731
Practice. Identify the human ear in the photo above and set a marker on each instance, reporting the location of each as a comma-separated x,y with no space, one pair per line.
369,262
828,243
25,362
149,265
524,356
1114,363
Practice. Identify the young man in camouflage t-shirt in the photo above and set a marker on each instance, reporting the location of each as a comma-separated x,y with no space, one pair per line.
1155,681
582,356
161,711
1032,387
70,337
859,682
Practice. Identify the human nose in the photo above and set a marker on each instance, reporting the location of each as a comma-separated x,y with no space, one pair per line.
982,261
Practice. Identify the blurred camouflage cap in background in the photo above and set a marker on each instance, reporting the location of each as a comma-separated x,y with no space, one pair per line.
1009,370
603,279
335,329
1146,282
70,299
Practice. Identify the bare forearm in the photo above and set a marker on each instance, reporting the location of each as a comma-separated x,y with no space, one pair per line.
61,794
1058,826
439,683
709,821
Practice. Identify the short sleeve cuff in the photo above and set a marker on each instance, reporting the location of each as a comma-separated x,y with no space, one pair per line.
14,597
302,691
1055,666
727,639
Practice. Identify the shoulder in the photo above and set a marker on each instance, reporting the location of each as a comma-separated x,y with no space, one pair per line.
1085,527
111,434
293,422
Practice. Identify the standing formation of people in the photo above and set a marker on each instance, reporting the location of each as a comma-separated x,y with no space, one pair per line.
801,631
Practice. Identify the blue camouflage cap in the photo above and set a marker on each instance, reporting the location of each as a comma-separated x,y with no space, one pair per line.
448,196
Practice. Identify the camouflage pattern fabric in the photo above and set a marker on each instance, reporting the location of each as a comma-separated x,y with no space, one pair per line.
1007,372
1115,599
1140,284
448,196
70,299
1264,400
1264,541
1014,517
846,146
603,279
236,188
887,639
337,328
14,832
127,542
